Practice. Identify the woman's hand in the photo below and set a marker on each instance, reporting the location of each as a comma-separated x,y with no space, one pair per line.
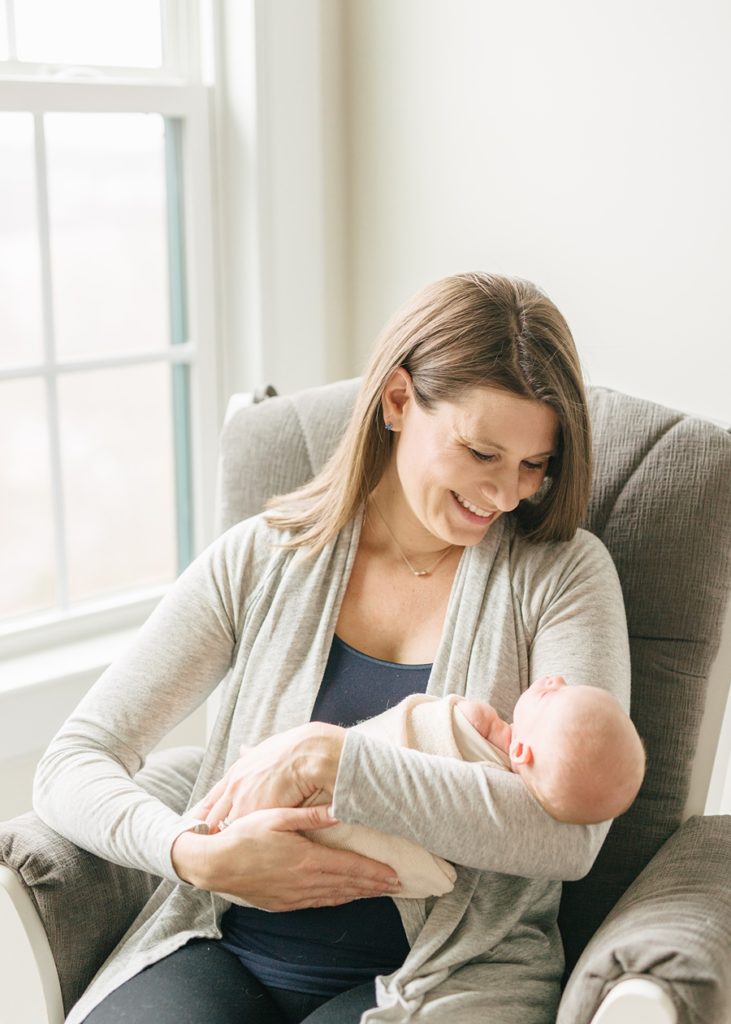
262,859
282,771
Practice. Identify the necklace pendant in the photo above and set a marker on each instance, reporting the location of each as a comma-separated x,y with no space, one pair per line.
421,572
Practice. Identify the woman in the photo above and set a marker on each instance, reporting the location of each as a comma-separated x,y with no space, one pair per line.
439,549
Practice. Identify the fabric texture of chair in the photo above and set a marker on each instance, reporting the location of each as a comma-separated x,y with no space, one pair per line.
86,904
672,925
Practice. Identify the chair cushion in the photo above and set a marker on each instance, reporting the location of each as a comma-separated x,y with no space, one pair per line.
673,925
86,904
299,431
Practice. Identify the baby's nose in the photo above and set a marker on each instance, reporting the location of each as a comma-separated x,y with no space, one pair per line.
556,681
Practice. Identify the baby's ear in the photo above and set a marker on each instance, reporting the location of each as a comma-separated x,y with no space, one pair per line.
520,752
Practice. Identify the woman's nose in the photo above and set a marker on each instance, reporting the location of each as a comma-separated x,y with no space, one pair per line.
504,491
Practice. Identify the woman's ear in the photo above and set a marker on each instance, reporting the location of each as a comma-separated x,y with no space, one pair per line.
520,752
396,396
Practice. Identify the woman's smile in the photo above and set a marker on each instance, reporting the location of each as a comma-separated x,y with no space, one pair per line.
482,516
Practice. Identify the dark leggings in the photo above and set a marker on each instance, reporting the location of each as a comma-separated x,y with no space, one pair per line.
202,983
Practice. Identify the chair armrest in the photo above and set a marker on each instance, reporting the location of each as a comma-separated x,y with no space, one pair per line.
31,993
83,903
672,927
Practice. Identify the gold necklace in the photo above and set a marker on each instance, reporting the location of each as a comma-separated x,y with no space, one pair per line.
416,572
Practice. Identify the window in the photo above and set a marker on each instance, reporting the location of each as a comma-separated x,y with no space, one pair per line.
108,382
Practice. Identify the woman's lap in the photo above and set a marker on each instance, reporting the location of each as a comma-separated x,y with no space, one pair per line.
202,982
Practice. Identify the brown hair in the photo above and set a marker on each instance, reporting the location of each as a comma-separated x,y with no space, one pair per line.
466,331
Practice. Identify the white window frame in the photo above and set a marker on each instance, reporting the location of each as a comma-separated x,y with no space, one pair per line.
139,91
183,22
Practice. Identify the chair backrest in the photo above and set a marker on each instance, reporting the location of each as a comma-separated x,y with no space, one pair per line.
661,502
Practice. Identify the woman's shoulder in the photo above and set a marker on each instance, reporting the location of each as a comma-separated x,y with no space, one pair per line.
584,554
255,550
245,551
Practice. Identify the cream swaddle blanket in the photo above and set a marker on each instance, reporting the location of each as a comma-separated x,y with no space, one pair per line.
432,725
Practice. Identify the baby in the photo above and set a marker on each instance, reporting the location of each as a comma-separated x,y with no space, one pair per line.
574,747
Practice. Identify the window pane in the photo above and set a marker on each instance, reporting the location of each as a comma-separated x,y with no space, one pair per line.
108,227
20,278
117,455
121,34
27,566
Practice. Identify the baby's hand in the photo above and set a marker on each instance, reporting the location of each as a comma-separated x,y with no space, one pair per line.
479,714
485,719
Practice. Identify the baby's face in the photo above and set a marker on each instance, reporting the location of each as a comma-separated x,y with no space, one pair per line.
537,704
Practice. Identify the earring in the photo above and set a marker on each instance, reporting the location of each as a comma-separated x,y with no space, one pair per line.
389,426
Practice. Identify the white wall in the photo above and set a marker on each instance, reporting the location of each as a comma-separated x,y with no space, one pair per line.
581,144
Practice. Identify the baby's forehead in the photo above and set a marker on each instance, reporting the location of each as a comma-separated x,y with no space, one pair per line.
585,706
589,696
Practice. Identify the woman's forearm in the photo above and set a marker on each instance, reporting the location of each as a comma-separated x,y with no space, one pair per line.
470,814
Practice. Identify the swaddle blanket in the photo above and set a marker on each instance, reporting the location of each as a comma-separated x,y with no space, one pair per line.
432,725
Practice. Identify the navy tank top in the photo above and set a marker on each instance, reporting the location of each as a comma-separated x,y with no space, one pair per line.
327,950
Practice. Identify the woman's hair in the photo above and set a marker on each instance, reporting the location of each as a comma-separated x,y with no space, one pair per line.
462,332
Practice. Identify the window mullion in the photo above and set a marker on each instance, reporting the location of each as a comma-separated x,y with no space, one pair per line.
180,21
10,28
49,346
184,353
178,337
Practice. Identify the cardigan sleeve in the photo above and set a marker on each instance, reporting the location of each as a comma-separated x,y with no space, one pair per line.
473,814
84,786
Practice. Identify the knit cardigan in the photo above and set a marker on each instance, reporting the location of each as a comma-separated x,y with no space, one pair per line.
258,620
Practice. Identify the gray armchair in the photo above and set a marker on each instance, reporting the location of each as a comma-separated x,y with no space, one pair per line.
648,932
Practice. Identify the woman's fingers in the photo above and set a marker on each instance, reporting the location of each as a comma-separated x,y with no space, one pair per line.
325,862
302,819
215,805
264,858
219,808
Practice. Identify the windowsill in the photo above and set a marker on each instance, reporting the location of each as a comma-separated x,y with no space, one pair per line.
62,662
51,634
39,690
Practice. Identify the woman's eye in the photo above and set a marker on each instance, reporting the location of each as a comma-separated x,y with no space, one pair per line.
481,456
534,465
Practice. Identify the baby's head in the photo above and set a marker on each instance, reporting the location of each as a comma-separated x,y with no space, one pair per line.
576,750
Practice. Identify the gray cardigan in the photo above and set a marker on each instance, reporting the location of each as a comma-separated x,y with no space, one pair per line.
259,620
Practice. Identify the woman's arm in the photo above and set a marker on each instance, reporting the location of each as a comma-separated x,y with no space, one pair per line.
84,787
345,761
470,814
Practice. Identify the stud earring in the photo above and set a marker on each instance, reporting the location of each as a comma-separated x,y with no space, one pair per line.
389,426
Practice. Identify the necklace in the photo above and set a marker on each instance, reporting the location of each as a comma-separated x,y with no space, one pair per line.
416,572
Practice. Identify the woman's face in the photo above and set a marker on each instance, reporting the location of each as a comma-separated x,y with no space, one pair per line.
455,470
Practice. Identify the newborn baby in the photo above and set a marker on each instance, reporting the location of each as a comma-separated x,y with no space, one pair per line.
573,746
